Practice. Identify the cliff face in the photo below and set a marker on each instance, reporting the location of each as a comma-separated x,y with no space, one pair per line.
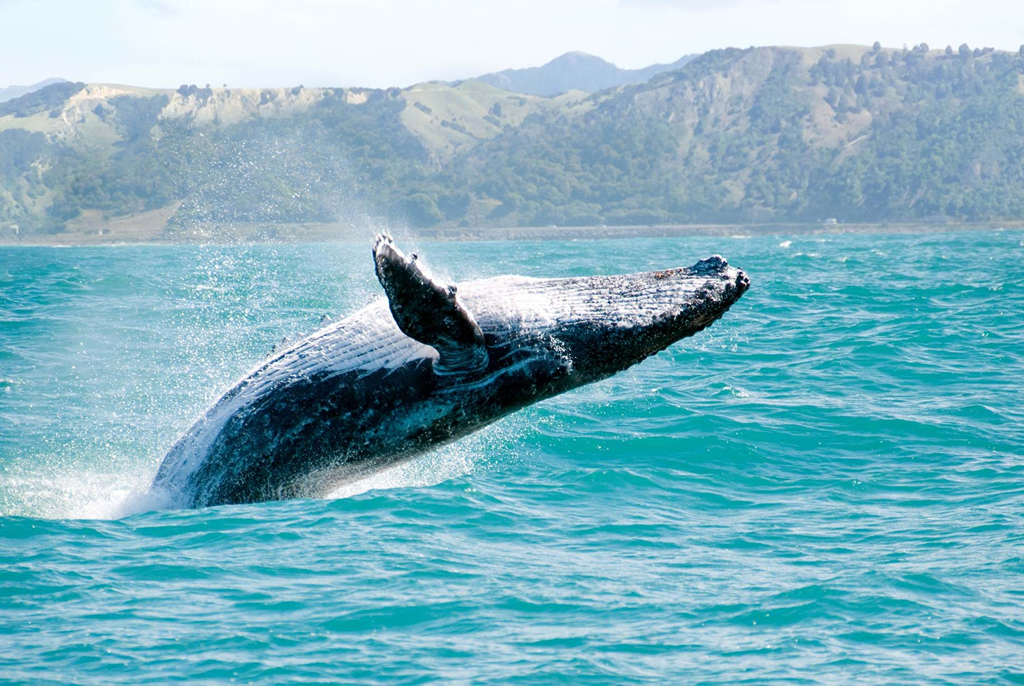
767,134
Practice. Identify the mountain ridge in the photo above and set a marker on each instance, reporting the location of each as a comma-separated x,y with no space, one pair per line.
574,70
735,136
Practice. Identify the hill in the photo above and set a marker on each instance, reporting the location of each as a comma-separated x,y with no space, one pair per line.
11,92
574,71
756,135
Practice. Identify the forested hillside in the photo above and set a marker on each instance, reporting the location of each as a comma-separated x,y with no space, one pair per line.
12,92
763,134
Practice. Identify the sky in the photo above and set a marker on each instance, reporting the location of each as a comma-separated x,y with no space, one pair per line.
377,43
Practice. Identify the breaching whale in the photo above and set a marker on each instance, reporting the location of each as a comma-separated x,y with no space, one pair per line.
429,363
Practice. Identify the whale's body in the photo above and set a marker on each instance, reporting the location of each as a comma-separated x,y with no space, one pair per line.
428,365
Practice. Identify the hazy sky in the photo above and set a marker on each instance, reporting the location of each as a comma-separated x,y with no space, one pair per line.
378,43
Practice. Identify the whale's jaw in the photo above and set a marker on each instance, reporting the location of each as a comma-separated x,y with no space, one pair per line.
613,322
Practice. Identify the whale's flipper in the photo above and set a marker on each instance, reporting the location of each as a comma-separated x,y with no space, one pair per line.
428,310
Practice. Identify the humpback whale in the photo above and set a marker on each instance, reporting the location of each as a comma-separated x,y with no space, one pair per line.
429,363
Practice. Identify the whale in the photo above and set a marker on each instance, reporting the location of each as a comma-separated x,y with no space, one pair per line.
428,363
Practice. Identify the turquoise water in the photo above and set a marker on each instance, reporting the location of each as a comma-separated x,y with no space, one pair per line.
826,485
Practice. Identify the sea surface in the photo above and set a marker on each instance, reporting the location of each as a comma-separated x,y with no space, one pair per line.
826,485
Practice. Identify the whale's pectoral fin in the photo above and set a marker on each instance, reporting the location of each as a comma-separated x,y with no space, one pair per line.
429,311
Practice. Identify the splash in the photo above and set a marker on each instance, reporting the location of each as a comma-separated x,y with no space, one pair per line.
428,470
79,495
452,461
71,494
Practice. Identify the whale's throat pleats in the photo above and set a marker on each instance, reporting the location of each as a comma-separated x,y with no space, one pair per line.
429,311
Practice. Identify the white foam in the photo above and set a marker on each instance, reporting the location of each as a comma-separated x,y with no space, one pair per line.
81,495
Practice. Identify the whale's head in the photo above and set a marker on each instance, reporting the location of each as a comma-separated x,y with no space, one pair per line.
604,324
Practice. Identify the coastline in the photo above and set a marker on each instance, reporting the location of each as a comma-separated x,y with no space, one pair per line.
122,233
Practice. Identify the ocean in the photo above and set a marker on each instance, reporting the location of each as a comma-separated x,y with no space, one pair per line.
826,485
